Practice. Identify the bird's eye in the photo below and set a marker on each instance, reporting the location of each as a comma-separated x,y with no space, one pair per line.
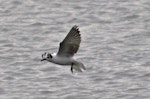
49,56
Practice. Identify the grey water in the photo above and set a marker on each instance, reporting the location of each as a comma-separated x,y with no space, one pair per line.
115,49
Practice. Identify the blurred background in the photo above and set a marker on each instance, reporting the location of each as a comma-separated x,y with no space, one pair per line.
115,49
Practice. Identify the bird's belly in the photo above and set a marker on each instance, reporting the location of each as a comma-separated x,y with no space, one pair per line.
63,61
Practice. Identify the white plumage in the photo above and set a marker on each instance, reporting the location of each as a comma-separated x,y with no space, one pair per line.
68,47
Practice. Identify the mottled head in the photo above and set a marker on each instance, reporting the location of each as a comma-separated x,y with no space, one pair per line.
46,56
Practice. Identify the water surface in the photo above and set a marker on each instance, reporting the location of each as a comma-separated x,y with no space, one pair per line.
115,49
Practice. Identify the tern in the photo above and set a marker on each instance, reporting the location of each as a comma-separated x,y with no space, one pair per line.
67,48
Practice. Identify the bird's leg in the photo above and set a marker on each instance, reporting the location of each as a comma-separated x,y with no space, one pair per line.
72,67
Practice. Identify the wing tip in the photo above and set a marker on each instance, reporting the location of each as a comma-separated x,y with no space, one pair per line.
75,27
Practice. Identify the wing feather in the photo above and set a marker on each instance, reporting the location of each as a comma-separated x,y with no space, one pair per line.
70,45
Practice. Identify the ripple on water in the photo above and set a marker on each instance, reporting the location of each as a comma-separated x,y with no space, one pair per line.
114,49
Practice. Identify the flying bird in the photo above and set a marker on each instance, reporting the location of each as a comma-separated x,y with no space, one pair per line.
67,48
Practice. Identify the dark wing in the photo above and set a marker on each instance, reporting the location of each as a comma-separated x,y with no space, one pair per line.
70,45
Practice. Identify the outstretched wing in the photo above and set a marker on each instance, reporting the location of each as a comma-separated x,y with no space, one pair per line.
70,45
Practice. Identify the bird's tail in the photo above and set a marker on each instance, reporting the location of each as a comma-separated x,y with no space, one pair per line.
78,66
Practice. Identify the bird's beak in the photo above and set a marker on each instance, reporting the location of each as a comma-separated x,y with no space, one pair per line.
43,59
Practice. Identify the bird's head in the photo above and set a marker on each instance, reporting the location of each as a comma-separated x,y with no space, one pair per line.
47,56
